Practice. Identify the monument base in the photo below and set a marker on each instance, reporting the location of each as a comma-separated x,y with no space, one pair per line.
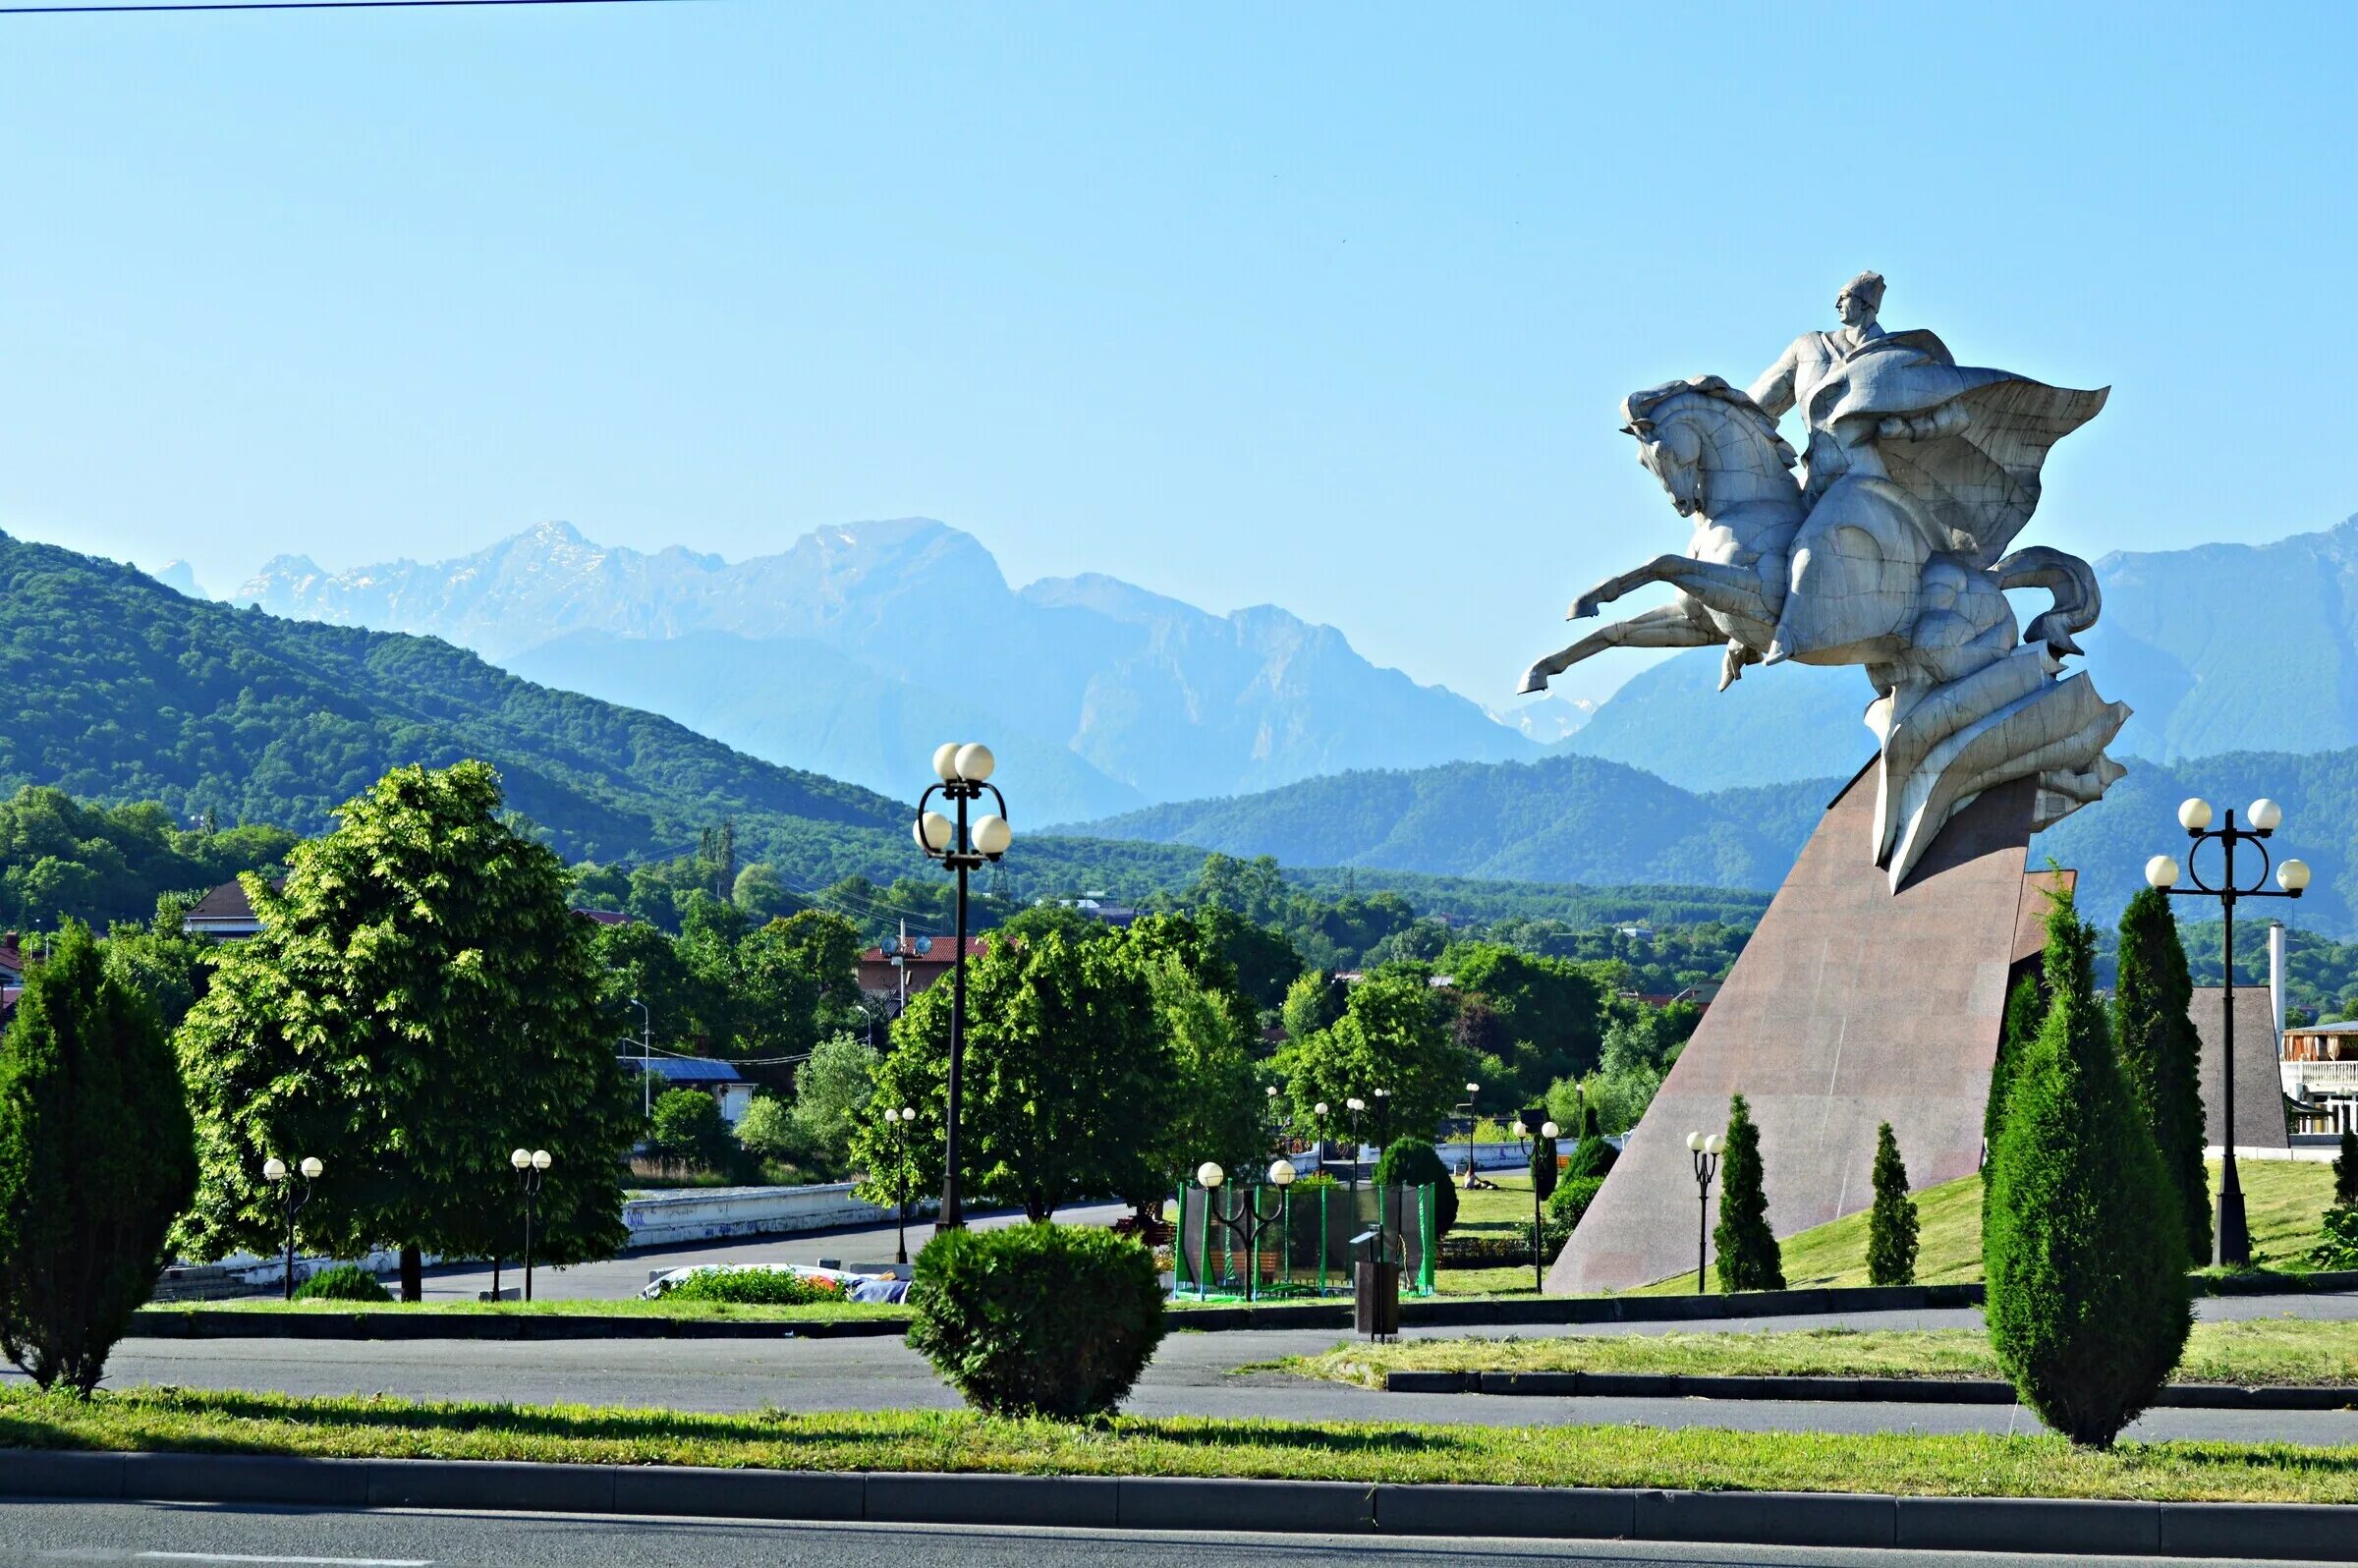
1850,1005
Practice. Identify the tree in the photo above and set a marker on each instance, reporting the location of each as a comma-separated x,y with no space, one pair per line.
1593,1154
1749,1258
2026,1010
96,1161
1891,1223
1219,1111
1414,1163
1312,1002
763,894
2345,1171
419,1001
2153,1026
1543,1165
2082,1246
1066,1070
830,1091
767,1131
687,1130
1393,1035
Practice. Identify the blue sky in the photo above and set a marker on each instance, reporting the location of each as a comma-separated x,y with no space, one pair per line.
1323,306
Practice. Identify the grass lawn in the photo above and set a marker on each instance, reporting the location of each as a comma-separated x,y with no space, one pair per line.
630,1306
178,1420
2283,1200
2279,1351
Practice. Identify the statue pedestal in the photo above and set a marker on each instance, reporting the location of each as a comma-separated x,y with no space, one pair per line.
1851,1005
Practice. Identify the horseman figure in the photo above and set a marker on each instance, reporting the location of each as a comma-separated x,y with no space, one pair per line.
1887,550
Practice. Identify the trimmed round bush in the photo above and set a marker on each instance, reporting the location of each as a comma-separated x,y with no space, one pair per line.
1036,1319
343,1282
1570,1202
754,1287
1414,1163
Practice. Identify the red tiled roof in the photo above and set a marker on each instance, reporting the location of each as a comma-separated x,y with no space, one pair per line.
976,947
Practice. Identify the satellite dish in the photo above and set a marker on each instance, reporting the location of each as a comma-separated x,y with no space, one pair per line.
924,945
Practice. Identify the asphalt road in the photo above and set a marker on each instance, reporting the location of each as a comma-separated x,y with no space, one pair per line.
1192,1374
125,1533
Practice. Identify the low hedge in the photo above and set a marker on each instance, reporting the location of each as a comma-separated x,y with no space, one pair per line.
342,1282
754,1287
1500,1248
1036,1319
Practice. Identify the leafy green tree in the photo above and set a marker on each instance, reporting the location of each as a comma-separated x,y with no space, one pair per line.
2153,1027
1552,1006
2026,1010
160,961
1393,1035
1066,1067
1747,1257
1218,1111
1312,1002
96,1161
2082,1247
1260,957
637,961
420,1001
768,1130
761,893
1415,1162
687,1130
830,1091
1891,1223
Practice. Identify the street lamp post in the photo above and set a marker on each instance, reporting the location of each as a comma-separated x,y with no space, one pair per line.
900,1122
646,1062
1473,1121
1383,1118
2230,1235
1524,1135
275,1172
531,1169
965,773
1705,1146
1247,1224
1354,1104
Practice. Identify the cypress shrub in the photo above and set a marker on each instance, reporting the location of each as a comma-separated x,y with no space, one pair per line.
2345,1171
98,1159
1543,1167
1413,1162
1036,1319
2153,1029
1891,1223
2026,1010
1749,1258
1592,1155
2085,1256
343,1282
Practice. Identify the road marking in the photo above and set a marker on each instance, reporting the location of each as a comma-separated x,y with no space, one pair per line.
318,1562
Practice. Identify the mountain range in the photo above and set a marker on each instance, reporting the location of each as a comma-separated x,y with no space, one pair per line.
858,650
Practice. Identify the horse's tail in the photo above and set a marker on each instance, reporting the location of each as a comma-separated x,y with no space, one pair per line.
2072,582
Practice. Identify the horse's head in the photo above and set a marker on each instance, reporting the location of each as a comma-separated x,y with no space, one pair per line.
1693,431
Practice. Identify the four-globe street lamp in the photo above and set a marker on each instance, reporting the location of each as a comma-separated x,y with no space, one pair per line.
531,1169
1524,1134
963,848
899,1123
1705,1146
1247,1222
275,1172
2230,1235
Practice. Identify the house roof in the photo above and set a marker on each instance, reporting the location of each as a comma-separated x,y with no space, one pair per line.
939,950
225,903
686,1069
2346,1027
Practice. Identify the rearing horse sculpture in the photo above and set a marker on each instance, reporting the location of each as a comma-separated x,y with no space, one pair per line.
1888,558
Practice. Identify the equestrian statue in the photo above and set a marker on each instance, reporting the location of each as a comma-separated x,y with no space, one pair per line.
1883,544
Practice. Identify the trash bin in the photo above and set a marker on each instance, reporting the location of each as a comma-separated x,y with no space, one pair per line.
1375,1278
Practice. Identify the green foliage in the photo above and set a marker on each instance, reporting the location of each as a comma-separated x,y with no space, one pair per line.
1393,1035
753,1287
1594,1155
2082,1244
61,860
1036,1319
419,1001
767,1131
96,1161
1891,1223
2345,1170
2152,1029
830,1091
2026,1010
1747,1258
1312,1002
2337,1248
342,1282
687,1130
1067,1069
1571,1201
1414,1163
1543,1169
1549,1013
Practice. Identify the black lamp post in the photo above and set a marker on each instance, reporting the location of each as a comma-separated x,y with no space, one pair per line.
1523,1134
1383,1118
1247,1222
899,1123
1354,1104
1473,1121
965,773
1705,1146
275,1172
2230,1235
531,1169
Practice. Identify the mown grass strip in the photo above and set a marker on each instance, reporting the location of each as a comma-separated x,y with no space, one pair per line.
185,1421
2275,1352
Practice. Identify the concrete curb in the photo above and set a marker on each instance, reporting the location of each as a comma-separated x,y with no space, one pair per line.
1832,1390
2314,1531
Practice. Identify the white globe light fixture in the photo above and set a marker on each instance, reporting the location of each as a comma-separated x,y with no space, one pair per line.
2265,815
974,762
542,1159
1713,1143
1695,1141
2194,815
933,833
2161,871
1281,1173
992,836
946,762
521,1159
1319,1110
1210,1174
1549,1130
274,1169
312,1165
2293,875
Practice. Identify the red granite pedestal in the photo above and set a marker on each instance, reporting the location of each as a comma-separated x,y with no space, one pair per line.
1851,1005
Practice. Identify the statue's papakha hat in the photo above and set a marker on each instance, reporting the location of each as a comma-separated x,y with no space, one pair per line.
1868,286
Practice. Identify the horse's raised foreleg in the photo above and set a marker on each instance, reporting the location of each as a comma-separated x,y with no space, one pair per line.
1729,589
1667,626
